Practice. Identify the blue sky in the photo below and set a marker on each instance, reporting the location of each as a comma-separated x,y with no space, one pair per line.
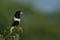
47,5
44,5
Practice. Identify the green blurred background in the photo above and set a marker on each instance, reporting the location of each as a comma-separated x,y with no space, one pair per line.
37,23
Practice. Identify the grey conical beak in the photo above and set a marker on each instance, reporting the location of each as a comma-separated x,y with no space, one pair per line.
21,13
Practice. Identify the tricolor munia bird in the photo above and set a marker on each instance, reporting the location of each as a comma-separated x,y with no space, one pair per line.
16,20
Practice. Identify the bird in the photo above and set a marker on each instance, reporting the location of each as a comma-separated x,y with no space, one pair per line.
16,20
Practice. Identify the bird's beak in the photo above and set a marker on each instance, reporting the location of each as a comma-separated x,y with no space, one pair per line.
21,13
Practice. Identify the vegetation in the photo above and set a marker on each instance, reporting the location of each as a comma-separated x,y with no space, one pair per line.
36,25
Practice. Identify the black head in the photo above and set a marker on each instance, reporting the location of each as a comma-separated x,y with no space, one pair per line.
18,14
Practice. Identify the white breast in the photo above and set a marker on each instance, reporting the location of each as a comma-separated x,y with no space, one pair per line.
16,19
